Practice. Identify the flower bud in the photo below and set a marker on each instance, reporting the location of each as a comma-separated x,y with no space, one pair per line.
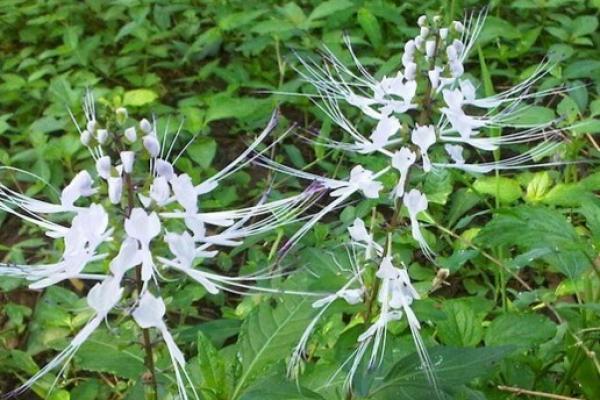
121,114
164,169
85,137
115,189
437,19
91,126
456,69
145,126
103,167
430,48
407,59
434,77
451,53
419,42
409,47
444,33
458,45
127,159
102,136
410,71
422,21
130,134
458,26
424,32
151,145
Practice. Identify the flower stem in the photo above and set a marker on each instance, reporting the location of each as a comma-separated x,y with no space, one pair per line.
149,359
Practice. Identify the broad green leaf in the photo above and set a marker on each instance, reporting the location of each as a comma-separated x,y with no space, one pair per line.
519,329
326,8
453,367
202,151
102,353
139,97
268,335
585,24
461,326
507,190
222,107
530,228
273,389
531,116
589,125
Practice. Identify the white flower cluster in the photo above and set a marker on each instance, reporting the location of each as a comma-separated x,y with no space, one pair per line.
136,198
429,103
427,116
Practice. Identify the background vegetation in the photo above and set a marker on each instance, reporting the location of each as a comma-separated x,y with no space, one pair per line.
522,307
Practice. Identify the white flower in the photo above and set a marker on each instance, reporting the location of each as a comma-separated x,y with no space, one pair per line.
103,167
455,152
424,137
415,203
402,160
80,186
185,193
164,169
149,314
160,191
361,180
144,227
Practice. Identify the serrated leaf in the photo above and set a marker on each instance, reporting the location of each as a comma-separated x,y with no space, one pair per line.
268,335
212,367
273,389
202,151
521,330
461,326
453,367
530,228
101,353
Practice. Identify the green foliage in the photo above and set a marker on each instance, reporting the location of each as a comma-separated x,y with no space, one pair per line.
216,65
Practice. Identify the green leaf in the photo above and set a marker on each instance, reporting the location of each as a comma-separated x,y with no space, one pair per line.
589,125
536,228
522,330
139,97
538,187
531,115
222,107
202,151
368,23
272,389
212,367
101,353
507,190
584,25
461,326
453,367
326,8
268,335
